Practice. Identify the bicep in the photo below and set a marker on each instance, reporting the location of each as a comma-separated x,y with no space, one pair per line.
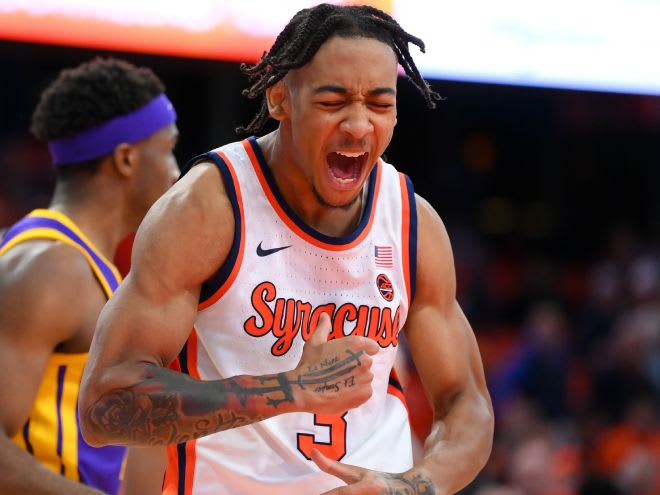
136,327
440,339
445,354
183,240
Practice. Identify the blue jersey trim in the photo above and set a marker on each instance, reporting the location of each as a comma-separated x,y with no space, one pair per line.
412,242
36,222
212,285
337,241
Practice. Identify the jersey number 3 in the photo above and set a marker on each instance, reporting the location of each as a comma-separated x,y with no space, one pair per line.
335,449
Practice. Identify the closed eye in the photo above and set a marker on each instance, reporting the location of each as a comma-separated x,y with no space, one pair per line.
330,104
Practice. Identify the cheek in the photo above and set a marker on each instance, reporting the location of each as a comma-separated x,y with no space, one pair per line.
385,130
158,175
164,166
308,137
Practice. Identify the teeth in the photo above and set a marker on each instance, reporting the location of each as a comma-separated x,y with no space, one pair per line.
348,154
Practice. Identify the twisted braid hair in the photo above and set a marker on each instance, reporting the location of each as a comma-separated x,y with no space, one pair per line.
302,37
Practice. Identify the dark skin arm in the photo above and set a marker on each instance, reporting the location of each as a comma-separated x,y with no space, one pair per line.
128,396
41,311
447,359
144,471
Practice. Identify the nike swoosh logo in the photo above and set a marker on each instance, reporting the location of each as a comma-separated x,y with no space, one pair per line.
266,252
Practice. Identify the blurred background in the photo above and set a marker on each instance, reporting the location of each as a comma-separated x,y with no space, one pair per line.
543,160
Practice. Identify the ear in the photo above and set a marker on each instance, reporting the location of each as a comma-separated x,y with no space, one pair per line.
276,99
125,158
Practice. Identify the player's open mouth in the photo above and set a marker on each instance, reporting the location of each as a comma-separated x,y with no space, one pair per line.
346,167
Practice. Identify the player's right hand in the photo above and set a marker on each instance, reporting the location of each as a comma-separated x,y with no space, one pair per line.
333,376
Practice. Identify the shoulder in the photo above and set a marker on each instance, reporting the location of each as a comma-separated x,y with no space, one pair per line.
429,218
188,232
222,157
195,200
201,190
40,286
44,263
435,275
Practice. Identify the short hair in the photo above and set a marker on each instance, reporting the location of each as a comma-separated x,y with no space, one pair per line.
306,32
91,94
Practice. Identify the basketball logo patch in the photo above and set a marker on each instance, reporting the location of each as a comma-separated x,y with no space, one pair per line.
385,287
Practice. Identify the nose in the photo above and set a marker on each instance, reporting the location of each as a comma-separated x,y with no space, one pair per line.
357,122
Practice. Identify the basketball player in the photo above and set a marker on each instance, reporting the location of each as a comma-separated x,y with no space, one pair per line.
111,132
238,261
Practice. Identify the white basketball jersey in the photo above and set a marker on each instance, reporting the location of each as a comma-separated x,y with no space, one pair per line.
256,314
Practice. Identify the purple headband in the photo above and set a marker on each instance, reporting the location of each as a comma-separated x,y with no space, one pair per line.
102,139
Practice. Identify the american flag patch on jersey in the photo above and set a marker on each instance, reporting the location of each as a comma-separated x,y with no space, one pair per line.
384,256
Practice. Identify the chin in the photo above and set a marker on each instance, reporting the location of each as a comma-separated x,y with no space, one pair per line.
342,205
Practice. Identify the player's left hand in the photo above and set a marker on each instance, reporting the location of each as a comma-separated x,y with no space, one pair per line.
362,481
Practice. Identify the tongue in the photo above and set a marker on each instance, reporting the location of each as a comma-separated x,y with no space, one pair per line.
344,167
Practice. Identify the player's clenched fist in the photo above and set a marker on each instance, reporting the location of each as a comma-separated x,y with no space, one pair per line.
333,376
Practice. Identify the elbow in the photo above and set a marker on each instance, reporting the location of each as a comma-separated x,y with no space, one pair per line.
480,422
108,409
92,439
90,423
90,433
486,423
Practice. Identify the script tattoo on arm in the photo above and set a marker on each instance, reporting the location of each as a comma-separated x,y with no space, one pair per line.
168,407
399,484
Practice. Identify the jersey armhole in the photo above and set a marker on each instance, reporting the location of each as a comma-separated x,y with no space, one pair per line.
409,234
218,284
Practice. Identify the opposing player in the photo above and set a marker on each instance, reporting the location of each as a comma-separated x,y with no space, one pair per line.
111,132
236,264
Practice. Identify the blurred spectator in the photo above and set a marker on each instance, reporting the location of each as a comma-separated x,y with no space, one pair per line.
623,369
538,367
629,452
536,468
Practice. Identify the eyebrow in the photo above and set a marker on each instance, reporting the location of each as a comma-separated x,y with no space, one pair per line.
329,88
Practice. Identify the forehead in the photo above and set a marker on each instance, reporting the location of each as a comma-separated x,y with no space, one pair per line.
351,63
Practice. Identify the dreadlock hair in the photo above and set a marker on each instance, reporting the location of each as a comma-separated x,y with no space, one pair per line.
89,95
302,37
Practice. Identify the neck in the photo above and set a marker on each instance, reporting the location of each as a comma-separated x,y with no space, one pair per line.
96,211
300,195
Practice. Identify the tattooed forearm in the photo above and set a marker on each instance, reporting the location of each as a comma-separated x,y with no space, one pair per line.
169,407
417,484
